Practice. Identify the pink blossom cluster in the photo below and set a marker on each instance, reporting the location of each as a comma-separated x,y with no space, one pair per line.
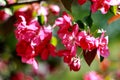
33,39
102,5
72,37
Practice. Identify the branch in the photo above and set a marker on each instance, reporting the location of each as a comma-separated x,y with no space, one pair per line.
20,3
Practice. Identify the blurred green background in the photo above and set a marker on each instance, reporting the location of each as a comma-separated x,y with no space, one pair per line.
10,63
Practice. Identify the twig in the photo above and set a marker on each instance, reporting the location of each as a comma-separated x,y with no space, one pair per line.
20,3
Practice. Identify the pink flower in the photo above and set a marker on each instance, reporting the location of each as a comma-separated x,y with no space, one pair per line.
48,50
33,40
67,59
26,12
70,36
100,4
25,49
103,46
67,32
31,61
92,76
85,41
81,2
38,45
26,31
63,22
42,44
70,59
43,11
66,54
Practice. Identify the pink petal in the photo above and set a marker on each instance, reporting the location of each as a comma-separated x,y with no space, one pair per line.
31,61
114,2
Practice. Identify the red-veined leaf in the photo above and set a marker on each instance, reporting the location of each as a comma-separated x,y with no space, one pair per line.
89,55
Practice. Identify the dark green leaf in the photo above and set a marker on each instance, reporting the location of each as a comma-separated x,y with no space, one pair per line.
101,58
88,21
41,19
80,23
67,4
54,41
89,56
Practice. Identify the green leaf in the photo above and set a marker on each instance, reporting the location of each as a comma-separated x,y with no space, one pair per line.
101,58
67,4
54,41
17,7
41,19
114,9
88,20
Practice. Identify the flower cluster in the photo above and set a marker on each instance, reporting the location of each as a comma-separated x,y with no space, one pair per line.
72,37
33,39
102,5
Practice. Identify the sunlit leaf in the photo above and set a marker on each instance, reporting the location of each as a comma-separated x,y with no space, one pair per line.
114,9
67,4
16,7
54,41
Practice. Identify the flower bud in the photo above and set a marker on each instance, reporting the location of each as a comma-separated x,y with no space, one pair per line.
75,64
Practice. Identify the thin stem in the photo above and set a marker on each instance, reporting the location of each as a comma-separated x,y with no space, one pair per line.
95,32
19,3
80,53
